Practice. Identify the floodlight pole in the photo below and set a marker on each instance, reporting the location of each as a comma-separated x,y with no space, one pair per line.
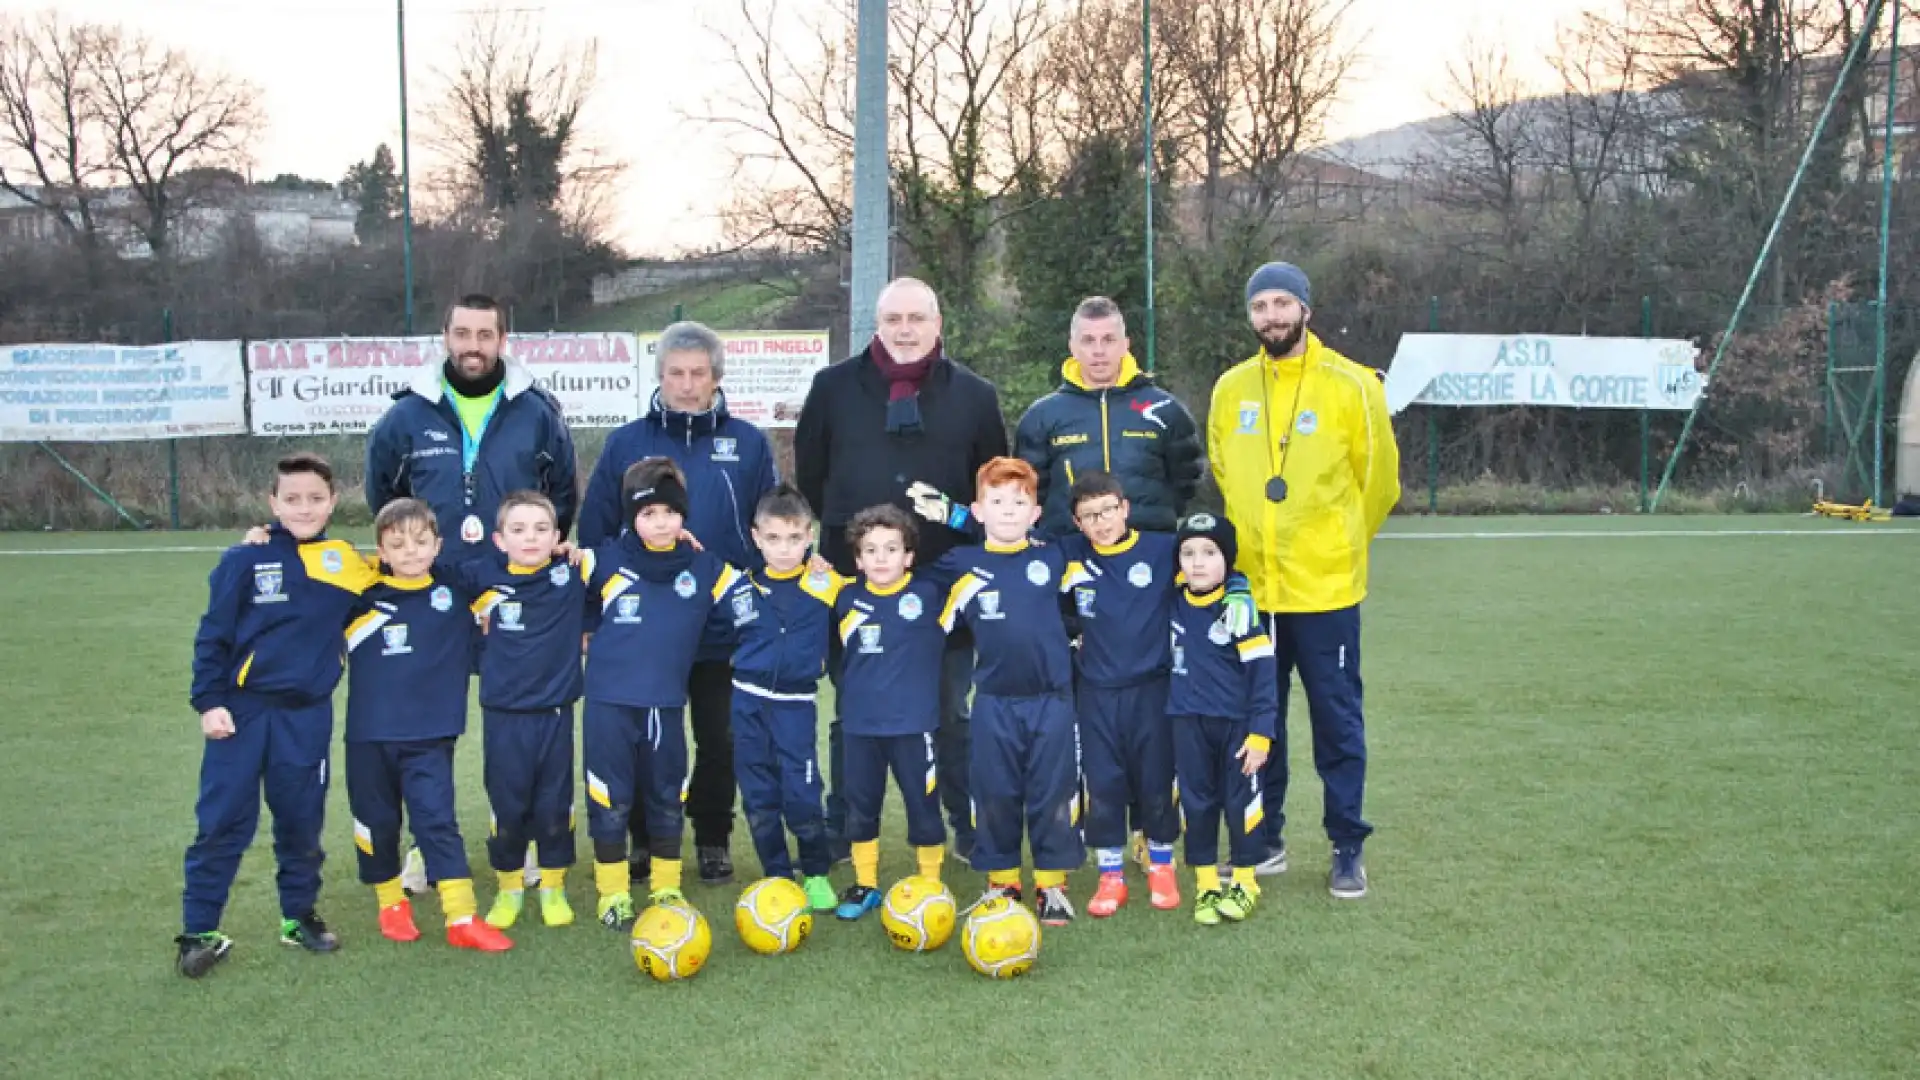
1886,228
1146,114
406,167
871,197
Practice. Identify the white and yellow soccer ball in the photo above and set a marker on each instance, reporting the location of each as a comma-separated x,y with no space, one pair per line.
918,914
773,916
671,941
1001,939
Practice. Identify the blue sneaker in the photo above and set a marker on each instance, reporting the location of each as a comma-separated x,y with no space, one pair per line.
857,901
1348,878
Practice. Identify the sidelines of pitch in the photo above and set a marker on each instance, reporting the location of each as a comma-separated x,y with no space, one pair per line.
1530,534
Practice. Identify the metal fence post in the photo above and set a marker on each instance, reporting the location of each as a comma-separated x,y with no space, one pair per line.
1433,422
173,445
1646,415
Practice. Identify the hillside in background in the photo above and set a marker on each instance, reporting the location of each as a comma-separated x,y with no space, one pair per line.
724,304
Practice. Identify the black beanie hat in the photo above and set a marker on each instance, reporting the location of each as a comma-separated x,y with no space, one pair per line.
1215,528
666,490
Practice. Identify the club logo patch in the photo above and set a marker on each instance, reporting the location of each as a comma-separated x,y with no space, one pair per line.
626,609
1083,601
743,611
1140,576
726,449
560,575
990,606
441,598
396,639
1038,573
1308,423
684,585
1249,417
910,607
332,562
870,640
471,531
1217,633
268,584
510,615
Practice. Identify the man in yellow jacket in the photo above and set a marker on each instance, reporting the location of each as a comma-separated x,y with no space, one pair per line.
1302,447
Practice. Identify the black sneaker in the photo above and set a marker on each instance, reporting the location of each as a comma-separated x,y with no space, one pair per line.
1348,878
640,867
716,865
309,933
200,952
1053,907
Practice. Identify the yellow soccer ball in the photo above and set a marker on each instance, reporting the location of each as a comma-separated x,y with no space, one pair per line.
773,916
918,914
1001,939
671,941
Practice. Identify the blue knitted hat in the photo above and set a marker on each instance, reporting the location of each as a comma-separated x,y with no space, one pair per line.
1284,276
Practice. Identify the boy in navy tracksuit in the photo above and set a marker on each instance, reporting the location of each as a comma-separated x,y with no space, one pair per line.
266,660
1224,700
892,646
407,654
783,625
655,600
1025,759
533,603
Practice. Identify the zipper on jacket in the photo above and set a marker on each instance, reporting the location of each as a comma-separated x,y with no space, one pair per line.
1106,437
734,498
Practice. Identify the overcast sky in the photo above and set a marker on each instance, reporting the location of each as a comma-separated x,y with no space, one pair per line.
328,70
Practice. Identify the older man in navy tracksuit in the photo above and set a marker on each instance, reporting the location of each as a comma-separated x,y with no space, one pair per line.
729,465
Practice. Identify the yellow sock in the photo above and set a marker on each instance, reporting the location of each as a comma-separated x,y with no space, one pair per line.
1243,877
389,893
666,874
1003,879
512,880
1206,879
930,858
613,878
456,899
866,863
1049,879
553,877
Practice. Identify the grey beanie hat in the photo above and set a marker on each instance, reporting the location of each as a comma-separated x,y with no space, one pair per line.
1284,276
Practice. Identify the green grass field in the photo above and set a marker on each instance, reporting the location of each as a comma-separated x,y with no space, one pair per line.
1646,806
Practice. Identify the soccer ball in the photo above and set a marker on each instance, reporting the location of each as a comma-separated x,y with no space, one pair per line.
1001,939
671,941
773,916
918,914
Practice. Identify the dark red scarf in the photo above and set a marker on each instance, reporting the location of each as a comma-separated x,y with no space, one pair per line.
903,385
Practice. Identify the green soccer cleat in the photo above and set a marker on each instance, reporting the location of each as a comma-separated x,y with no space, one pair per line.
667,896
506,909
616,911
309,933
1206,908
199,953
1238,902
820,894
554,909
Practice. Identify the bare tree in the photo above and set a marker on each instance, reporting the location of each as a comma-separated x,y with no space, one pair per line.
52,135
1487,163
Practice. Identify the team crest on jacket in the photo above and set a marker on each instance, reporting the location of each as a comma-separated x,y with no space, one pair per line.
267,584
1217,633
559,575
1083,600
726,448
990,606
1249,417
1308,423
870,640
1038,573
910,608
1140,576
743,612
510,615
332,561
441,598
396,639
626,609
471,530
684,585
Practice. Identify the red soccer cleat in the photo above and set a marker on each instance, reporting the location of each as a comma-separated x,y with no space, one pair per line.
1110,897
476,934
396,923
1165,887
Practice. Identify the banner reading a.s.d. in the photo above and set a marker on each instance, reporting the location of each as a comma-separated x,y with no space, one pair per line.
767,373
341,386
1534,369
101,393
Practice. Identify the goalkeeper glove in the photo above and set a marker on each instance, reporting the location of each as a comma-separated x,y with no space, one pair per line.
1240,616
933,504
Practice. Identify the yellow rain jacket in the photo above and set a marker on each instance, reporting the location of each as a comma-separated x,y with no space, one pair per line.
1336,451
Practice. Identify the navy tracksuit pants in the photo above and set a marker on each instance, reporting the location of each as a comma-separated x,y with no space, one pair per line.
634,756
911,758
381,776
1026,778
952,745
775,760
1212,786
1325,648
277,750
528,773
1126,757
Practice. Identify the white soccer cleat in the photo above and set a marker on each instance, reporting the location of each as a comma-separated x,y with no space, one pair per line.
413,872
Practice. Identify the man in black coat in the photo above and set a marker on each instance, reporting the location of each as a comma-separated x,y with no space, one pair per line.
1109,415
896,412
